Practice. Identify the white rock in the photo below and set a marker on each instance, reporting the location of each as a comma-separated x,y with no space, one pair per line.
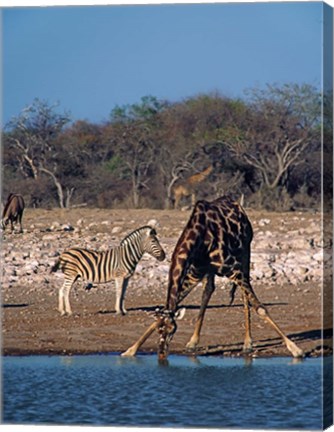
116,230
319,256
153,223
263,222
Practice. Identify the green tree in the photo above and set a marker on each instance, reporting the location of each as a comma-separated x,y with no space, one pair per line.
132,138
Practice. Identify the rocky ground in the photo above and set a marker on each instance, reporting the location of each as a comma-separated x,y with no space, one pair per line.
288,257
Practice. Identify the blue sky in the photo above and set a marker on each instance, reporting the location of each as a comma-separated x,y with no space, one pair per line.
91,58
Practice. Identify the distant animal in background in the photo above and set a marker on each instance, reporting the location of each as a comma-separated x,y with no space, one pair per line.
117,264
13,211
186,188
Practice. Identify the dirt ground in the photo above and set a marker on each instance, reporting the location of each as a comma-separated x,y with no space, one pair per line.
31,323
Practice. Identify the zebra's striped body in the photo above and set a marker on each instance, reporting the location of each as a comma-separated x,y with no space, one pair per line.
13,211
116,264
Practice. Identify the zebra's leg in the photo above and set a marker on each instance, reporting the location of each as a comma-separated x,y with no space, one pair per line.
61,300
64,298
121,285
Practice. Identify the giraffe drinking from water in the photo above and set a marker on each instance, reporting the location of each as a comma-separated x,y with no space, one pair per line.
215,242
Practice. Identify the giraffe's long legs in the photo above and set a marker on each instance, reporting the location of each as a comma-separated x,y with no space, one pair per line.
263,314
248,347
235,279
209,288
190,282
132,351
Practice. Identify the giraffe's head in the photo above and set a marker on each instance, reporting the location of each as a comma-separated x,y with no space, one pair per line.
166,329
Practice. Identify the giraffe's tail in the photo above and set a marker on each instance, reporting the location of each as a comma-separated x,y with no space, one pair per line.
233,289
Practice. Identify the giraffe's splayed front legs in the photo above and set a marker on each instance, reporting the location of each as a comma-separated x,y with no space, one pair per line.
248,345
165,325
208,290
132,351
291,346
262,312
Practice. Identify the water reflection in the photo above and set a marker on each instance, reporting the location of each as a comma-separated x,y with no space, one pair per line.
184,392
200,360
120,361
195,360
296,361
163,362
248,360
66,360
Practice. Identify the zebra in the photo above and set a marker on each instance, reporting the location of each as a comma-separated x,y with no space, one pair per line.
13,211
118,263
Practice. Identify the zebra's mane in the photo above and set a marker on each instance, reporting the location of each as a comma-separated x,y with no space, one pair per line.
130,236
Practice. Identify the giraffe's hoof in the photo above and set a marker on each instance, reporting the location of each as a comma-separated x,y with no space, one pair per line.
298,353
131,352
191,345
295,350
247,349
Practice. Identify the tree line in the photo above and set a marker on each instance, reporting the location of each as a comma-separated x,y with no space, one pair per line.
267,147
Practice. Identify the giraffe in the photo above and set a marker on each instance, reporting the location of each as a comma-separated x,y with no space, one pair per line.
187,187
215,242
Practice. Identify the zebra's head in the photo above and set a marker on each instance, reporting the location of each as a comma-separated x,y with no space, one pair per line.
151,244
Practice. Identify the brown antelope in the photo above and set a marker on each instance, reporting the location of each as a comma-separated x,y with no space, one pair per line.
13,211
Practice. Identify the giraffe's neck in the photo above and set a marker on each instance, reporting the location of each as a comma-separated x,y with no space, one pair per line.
186,247
198,178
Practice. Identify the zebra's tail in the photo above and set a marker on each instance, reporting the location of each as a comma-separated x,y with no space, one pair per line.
55,267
